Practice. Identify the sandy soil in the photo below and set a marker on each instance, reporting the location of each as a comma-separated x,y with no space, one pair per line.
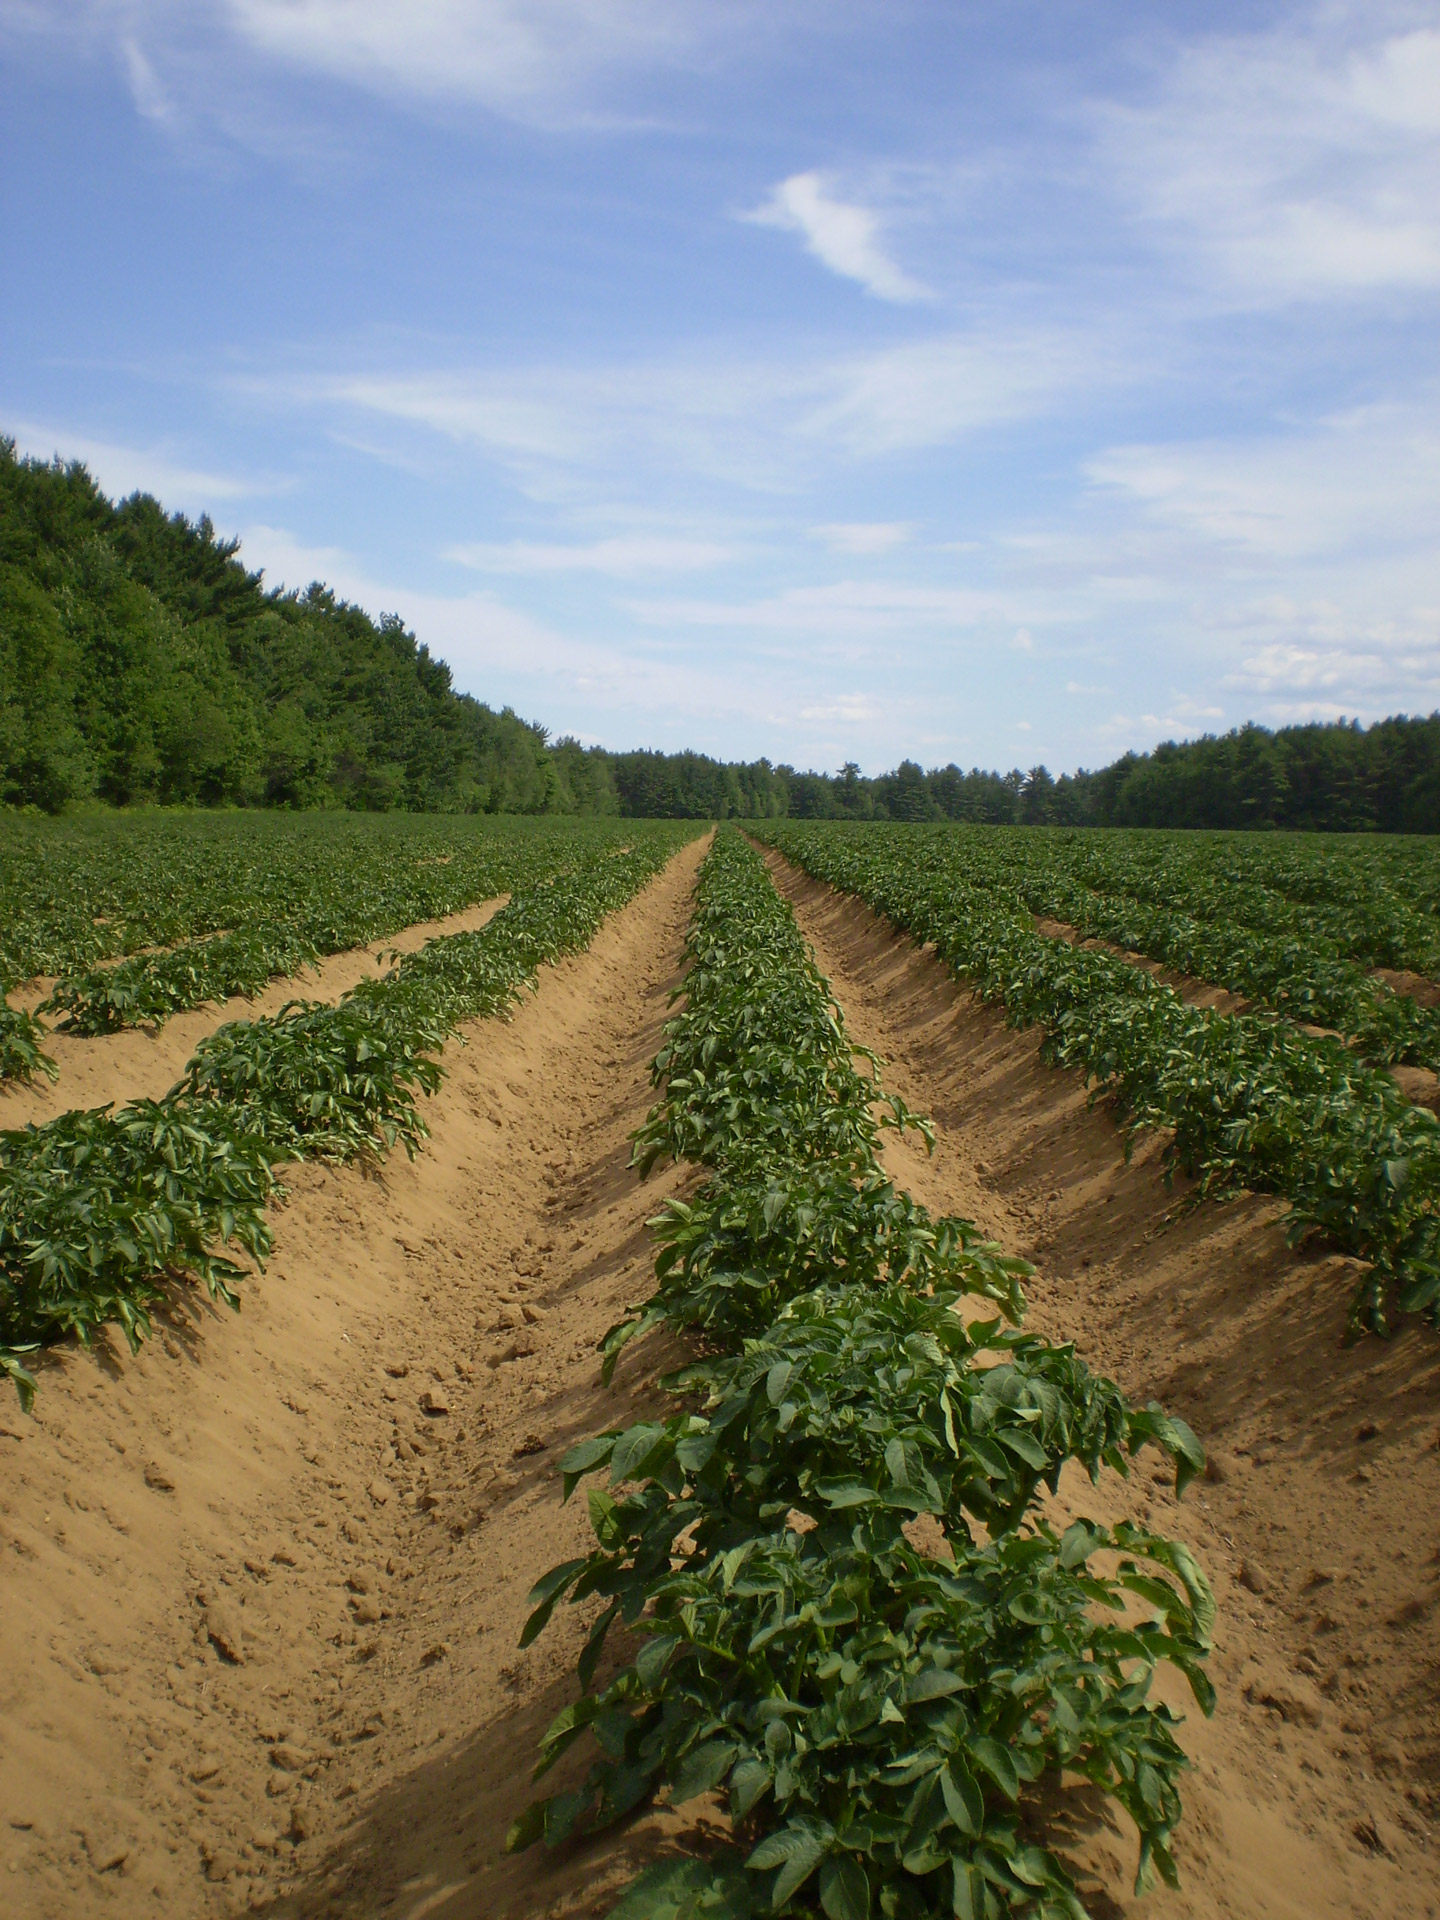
145,1062
1418,1084
1317,1783
264,1583
262,1594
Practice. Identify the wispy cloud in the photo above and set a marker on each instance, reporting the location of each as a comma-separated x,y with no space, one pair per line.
842,235
846,607
864,536
623,557
161,469
547,62
772,424
520,57
1363,481
151,99
1298,162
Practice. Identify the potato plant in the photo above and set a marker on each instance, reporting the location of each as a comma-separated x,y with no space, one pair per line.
288,920
1252,1101
875,1716
21,1041
1210,917
100,1211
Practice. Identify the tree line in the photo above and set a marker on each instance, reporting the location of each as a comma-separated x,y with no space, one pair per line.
142,663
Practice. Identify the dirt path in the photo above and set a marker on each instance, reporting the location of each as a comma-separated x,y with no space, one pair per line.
145,1062
264,1583
1317,1783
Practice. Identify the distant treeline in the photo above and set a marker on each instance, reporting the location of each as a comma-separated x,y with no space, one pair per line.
142,663
1335,777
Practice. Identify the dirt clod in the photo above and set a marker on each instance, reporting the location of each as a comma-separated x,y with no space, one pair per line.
222,1629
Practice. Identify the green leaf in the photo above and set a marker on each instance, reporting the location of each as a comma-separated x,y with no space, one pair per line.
748,1782
840,1494
528,1828
685,1890
968,1901
932,1683
963,1799
651,1660
1024,1446
703,1768
996,1761
547,1592
844,1888
797,1849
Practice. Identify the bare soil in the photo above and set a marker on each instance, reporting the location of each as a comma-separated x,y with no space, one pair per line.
143,1063
1420,1085
1317,1783
264,1583
262,1594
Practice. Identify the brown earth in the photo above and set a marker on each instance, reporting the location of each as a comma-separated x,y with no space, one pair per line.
264,1582
145,1062
1317,1783
1420,1085
258,1646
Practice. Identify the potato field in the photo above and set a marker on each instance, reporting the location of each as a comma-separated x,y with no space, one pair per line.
579,1368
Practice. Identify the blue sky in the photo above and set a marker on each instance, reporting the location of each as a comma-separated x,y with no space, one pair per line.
828,379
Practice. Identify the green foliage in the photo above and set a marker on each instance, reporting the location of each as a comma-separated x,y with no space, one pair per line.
140,661
148,988
290,890
100,1211
1295,928
875,1715
1253,1101
21,1036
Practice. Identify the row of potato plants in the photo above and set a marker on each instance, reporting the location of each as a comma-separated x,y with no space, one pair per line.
101,1210
226,903
1251,1101
877,1714
1232,934
1364,898
97,887
289,923
1370,898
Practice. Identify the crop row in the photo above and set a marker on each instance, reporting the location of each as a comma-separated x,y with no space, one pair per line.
1372,901
875,1713
1253,1102
100,887
285,905
100,1210
1207,921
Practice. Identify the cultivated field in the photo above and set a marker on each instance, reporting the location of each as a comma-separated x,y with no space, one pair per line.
991,1351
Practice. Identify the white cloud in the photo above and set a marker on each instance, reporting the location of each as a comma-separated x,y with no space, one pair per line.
1348,670
1360,482
549,63
152,101
846,709
500,652
1298,162
161,470
841,235
767,424
845,608
515,56
863,536
622,557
